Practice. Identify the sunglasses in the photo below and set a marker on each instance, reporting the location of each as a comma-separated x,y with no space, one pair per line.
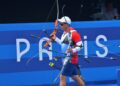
62,24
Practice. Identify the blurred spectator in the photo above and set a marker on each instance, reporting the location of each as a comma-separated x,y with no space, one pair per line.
108,12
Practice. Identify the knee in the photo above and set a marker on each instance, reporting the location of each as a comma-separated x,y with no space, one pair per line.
79,80
62,80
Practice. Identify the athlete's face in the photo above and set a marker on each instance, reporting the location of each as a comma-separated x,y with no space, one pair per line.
64,26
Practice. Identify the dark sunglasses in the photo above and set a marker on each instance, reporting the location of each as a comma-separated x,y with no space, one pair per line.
62,24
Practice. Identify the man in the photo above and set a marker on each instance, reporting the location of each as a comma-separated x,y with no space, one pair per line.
109,12
71,43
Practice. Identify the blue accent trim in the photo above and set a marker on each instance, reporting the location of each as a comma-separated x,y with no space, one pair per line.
9,66
34,48
27,78
118,77
46,77
40,26
26,26
11,36
90,83
96,24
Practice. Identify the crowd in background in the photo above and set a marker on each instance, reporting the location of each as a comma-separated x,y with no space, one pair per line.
107,11
45,10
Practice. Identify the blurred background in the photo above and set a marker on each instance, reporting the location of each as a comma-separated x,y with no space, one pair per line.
45,10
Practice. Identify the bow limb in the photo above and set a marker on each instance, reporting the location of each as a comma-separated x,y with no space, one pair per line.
56,27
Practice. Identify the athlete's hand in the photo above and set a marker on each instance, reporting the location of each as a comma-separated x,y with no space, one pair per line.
53,36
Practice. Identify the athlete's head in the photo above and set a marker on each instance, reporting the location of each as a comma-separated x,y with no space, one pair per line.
65,22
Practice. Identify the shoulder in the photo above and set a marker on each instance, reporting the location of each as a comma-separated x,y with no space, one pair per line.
75,35
74,32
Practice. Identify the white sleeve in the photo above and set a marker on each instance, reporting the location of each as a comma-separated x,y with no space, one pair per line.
58,40
78,47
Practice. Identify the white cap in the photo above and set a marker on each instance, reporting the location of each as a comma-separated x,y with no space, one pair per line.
65,19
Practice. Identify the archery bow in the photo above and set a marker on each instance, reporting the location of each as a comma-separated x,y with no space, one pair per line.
56,27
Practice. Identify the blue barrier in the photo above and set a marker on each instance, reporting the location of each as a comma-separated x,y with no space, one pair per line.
102,39
118,72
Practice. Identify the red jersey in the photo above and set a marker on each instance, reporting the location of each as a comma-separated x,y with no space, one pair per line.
76,37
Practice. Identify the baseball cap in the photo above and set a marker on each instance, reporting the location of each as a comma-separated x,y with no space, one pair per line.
65,19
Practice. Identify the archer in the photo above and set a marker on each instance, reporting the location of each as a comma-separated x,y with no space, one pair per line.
71,43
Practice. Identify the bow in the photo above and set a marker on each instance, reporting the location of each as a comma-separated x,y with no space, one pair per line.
55,29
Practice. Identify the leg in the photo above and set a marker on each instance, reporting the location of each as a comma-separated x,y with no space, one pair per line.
79,80
62,80
66,72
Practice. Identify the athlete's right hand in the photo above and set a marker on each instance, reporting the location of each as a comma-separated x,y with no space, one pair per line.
53,36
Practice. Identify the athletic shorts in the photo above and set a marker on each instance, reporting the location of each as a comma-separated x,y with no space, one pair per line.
71,70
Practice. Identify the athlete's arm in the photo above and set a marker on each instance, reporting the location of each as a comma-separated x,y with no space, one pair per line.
78,42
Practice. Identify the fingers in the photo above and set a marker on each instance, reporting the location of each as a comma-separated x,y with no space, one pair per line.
53,37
